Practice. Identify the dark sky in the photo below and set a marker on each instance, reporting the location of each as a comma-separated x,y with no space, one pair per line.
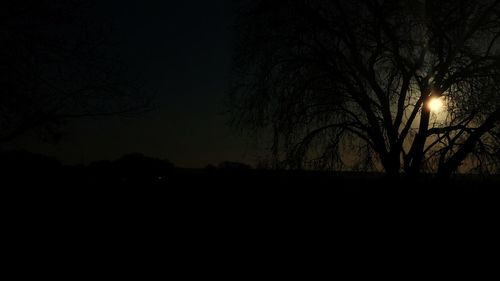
183,48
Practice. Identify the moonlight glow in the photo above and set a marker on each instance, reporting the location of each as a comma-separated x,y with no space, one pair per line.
435,104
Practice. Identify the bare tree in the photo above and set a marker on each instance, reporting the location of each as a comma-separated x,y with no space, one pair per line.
57,63
361,83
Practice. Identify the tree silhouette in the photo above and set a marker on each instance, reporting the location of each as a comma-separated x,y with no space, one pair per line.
56,63
353,83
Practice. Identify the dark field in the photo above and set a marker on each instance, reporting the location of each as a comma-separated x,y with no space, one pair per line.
180,178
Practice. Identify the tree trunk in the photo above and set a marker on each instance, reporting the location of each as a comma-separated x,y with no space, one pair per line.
413,164
392,164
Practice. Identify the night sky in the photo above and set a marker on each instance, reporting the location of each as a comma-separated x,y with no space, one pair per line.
184,50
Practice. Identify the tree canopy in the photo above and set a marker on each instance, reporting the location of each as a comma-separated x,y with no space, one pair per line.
349,84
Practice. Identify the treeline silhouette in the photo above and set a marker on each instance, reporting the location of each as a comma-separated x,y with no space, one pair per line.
19,167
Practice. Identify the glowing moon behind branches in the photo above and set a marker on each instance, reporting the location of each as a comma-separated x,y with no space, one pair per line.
435,104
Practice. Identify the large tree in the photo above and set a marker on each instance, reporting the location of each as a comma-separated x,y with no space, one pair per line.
57,62
360,82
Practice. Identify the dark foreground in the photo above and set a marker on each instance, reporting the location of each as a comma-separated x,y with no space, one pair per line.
178,179
196,204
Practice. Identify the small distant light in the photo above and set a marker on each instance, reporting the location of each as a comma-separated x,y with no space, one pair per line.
160,178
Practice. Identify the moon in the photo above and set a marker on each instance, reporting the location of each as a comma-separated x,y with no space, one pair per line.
435,104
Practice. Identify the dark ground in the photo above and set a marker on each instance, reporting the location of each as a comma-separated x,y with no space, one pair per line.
195,211
88,177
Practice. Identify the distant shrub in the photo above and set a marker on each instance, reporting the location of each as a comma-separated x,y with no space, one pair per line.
28,161
234,166
142,162
210,168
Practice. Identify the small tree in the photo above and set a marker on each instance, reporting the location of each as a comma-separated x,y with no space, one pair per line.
56,63
359,83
